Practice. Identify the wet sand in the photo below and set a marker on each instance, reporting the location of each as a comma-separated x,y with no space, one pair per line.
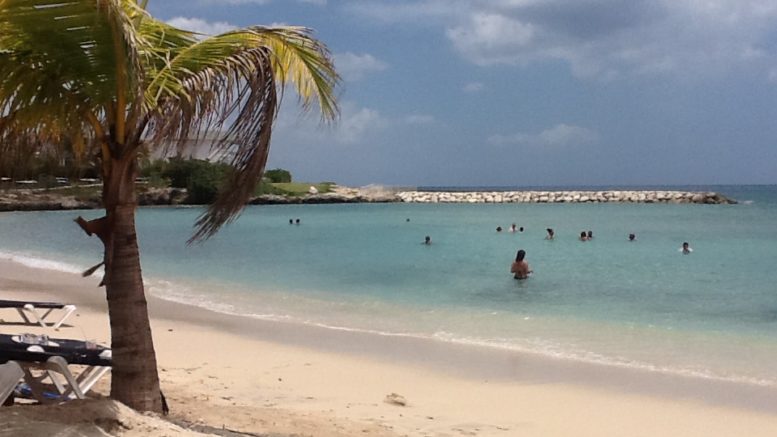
263,376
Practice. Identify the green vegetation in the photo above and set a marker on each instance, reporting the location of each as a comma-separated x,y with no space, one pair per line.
201,179
277,175
204,179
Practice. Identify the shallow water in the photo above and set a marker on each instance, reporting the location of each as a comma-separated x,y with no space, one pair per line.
362,267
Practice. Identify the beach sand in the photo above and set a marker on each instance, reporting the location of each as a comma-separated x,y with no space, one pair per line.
279,379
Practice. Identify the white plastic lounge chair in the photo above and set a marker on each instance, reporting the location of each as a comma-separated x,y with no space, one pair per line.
52,360
37,312
10,375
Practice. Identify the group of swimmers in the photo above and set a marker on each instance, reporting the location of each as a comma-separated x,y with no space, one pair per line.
512,228
520,268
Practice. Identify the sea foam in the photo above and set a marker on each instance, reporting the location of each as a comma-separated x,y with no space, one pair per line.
37,262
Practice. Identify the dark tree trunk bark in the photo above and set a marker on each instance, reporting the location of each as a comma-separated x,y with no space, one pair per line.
134,381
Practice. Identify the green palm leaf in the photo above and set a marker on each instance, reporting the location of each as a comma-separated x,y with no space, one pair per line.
235,78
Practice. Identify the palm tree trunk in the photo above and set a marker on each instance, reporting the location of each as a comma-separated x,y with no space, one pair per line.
135,381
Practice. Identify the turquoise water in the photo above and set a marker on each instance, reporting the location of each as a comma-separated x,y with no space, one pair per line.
642,304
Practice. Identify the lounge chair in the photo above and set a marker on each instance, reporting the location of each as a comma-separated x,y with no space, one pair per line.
52,360
10,375
37,312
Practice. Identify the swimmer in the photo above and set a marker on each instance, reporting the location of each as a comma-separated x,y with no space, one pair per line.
427,240
499,229
296,221
520,268
686,249
512,227
550,234
590,235
583,236
291,222
632,237
520,229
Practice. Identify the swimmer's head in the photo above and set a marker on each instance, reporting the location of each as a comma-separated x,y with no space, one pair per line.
520,255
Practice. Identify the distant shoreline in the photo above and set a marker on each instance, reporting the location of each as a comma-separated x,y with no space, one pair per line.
50,200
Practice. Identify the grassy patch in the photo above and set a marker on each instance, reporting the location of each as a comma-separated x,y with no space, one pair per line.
292,188
79,192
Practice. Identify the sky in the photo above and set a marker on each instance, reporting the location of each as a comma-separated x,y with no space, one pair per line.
526,92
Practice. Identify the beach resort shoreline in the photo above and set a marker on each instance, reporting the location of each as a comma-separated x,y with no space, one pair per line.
52,200
273,377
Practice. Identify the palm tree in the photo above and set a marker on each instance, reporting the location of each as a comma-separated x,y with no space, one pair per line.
105,73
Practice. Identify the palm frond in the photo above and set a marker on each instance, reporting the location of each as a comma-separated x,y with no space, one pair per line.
58,60
235,79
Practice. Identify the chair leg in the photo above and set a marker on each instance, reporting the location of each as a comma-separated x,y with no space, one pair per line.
36,383
22,313
59,365
10,375
68,310
31,311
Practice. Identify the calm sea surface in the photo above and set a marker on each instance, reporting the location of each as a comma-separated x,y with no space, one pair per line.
641,304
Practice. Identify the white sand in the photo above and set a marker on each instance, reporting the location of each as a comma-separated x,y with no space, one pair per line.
264,378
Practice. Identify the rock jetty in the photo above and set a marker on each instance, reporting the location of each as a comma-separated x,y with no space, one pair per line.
565,197
36,200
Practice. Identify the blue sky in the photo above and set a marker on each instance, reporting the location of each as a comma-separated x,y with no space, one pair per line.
528,92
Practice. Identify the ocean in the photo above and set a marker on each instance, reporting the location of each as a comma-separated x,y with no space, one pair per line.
362,267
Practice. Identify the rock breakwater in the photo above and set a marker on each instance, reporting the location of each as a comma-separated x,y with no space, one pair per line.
610,196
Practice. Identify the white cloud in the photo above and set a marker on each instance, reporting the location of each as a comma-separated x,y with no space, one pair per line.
560,135
314,2
419,119
488,36
355,126
201,26
598,38
354,67
565,135
612,37
403,11
473,87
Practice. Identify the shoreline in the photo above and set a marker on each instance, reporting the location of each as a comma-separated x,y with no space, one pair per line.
50,200
295,329
424,371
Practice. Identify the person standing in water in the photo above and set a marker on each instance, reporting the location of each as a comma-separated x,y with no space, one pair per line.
427,240
550,234
520,268
686,249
